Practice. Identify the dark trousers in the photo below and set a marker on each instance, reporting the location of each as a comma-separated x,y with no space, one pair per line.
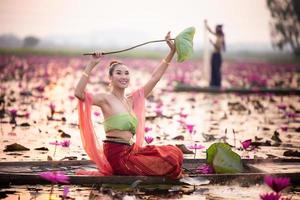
216,62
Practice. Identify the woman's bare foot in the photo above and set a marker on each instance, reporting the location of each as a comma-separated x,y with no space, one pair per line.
183,175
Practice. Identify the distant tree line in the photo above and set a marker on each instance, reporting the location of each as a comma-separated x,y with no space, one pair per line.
12,41
30,42
285,24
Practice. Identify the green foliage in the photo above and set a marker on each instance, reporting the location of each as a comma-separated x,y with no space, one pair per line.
285,24
223,159
184,44
30,42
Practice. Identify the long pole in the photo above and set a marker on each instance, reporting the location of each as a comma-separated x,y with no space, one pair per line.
112,52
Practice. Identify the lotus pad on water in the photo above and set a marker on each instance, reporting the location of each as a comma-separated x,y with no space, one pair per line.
184,44
223,159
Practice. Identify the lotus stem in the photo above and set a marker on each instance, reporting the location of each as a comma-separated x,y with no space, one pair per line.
234,138
113,52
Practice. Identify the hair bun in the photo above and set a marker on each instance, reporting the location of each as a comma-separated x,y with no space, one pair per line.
112,66
113,63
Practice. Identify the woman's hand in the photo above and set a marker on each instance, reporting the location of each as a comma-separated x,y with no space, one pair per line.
97,55
96,58
170,43
205,23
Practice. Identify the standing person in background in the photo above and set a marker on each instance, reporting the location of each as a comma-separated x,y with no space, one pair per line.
216,58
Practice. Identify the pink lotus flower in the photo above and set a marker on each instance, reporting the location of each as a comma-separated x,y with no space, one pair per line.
147,129
40,89
158,111
281,107
13,115
196,146
65,143
205,169
97,114
148,139
284,128
27,114
277,183
183,115
55,177
190,127
66,191
270,196
286,198
71,98
246,143
52,107
13,112
291,114
215,101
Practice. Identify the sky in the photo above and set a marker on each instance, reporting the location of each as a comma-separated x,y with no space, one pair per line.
128,21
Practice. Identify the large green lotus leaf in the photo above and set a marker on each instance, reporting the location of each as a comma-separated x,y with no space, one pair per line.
212,150
223,159
227,161
184,44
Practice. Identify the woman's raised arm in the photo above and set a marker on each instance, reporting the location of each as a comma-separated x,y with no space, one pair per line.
80,88
160,70
208,28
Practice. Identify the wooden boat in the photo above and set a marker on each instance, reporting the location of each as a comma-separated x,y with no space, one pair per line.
274,90
21,173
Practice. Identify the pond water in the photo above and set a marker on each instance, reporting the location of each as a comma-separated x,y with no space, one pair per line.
32,86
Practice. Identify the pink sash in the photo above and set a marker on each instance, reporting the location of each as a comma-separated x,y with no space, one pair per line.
138,98
92,146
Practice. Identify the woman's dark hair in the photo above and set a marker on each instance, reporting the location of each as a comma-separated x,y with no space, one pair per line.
112,66
219,30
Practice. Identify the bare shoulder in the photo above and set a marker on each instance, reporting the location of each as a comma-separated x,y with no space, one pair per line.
99,98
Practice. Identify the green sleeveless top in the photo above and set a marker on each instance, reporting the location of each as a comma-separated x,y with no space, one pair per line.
123,122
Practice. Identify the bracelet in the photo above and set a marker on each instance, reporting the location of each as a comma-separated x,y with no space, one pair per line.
164,61
85,74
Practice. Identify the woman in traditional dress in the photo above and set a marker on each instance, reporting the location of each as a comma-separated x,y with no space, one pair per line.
124,117
216,58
